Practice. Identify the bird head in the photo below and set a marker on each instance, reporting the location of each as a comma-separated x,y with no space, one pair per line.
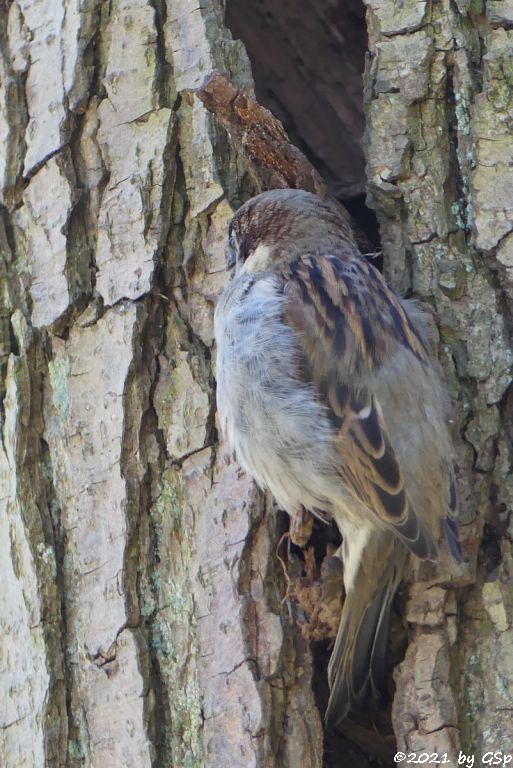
272,229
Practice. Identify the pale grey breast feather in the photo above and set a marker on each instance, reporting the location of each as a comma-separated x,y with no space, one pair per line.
271,419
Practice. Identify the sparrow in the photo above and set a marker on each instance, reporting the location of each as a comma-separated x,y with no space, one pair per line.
330,398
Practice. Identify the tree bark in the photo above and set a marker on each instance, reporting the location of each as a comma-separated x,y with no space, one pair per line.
146,619
439,149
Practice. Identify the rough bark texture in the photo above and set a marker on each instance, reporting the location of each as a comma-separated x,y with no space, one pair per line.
439,147
143,621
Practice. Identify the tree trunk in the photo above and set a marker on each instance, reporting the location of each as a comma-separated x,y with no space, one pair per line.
146,618
439,149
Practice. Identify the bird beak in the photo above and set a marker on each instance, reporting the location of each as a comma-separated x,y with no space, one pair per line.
230,262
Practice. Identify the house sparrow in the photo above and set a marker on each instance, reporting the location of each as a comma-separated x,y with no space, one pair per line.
327,393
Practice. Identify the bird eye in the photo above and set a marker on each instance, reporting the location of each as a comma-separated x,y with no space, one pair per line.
233,249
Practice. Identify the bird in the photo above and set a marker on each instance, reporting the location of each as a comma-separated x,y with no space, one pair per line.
330,398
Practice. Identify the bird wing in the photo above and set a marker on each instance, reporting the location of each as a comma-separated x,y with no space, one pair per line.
347,323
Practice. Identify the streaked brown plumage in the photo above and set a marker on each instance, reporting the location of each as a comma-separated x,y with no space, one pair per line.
328,394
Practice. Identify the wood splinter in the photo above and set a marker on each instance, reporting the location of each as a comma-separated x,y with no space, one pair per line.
261,136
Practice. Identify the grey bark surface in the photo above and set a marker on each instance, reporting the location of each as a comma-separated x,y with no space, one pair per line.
438,105
143,620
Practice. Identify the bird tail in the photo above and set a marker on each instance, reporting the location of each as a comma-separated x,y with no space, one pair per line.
357,667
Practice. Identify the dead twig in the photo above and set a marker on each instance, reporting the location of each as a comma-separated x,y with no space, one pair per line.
260,135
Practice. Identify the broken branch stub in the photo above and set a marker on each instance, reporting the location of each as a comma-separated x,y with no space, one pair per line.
260,136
